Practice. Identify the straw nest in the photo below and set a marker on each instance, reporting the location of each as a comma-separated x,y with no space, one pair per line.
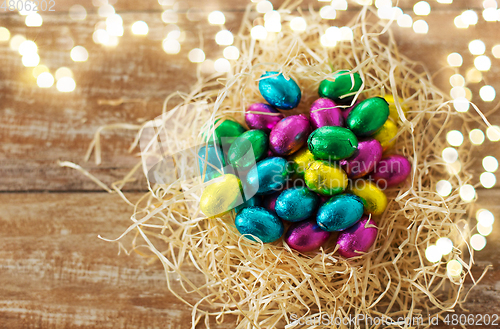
270,285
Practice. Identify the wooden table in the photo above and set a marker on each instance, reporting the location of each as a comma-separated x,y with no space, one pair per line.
54,271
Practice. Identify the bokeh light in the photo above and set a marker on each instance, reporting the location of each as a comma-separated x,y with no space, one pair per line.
477,242
474,76
63,72
443,188
482,63
455,60
490,163
450,155
421,27
484,230
196,55
487,93
66,85
493,133
455,138
459,23
169,16
405,20
222,65
485,217
433,254
476,136
106,10
79,54
45,80
258,32
171,46
27,47
224,38
487,179
264,6
328,12
490,14
461,104
39,69
298,24
346,34
467,192
458,92
469,17
4,34
231,52
77,12
216,18
33,20
457,80
496,51
454,268
31,60
422,8
477,47
445,245
140,28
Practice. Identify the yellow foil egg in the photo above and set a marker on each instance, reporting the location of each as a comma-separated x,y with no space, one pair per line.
386,134
221,196
374,198
325,178
301,160
393,111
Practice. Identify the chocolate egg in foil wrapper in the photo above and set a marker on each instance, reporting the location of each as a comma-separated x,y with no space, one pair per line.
289,135
358,238
324,112
282,93
260,223
296,204
366,157
306,236
340,212
262,116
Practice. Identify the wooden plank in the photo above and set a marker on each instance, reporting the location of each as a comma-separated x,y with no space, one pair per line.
56,273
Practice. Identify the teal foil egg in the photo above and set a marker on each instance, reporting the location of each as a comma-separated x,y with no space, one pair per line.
210,161
279,91
260,223
340,212
268,176
256,200
296,204
332,143
248,148
368,116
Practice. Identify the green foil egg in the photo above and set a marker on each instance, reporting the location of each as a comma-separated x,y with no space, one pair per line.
248,149
368,116
227,131
259,222
341,84
332,143
221,196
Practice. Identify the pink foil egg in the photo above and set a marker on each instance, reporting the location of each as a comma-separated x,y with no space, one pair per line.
347,110
391,170
306,236
265,120
289,135
364,160
324,112
357,238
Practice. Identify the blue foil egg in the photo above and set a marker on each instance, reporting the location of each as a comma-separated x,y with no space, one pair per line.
267,176
256,200
340,212
210,161
260,223
279,91
296,204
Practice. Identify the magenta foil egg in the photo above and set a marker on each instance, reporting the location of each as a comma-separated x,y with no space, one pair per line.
270,201
266,118
357,238
289,135
364,160
391,170
306,236
324,112
347,110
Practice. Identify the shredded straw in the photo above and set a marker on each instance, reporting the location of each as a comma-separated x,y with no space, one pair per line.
264,284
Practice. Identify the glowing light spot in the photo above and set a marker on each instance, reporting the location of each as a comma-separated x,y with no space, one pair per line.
264,6
457,80
4,34
487,93
39,69
489,4
273,24
216,18
482,63
63,72
31,60
106,10
454,268
77,13
445,245
450,155
454,138
114,25
222,65
339,4
169,16
490,163
327,42
496,51
485,217
467,192
468,94
28,47
79,54
469,17
493,133
476,136
333,33
474,76
346,34
171,46
454,167
445,1
490,14
405,21
101,36
457,92
166,2
298,24
207,66
455,60
328,12
461,104
459,23
140,28
33,20
383,3
66,85
433,254
484,230
477,47
422,8
196,55
487,179
421,27
258,32
224,38
231,52
478,242
443,188
45,80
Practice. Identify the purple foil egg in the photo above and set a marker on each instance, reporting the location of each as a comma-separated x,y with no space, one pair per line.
347,110
324,112
357,238
364,160
306,236
289,135
265,120
391,170
270,201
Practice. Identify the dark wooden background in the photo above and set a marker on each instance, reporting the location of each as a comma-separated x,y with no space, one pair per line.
54,271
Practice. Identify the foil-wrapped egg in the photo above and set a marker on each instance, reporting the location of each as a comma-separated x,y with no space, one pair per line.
340,212
332,143
368,116
226,132
268,176
248,148
296,204
211,161
300,161
221,196
392,170
325,178
306,236
259,222
374,199
341,87
393,110
269,201
386,135
347,110
262,116
324,112
368,154
280,92
256,200
289,135
357,239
